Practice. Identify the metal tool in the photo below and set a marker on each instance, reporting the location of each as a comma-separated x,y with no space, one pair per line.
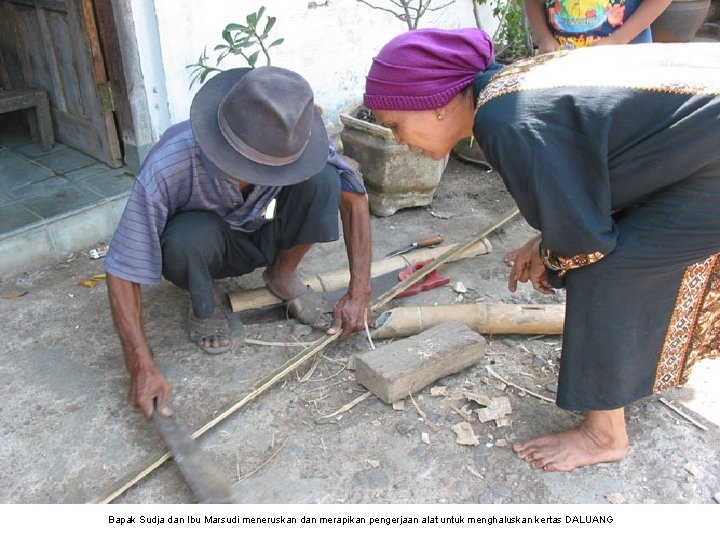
200,473
426,242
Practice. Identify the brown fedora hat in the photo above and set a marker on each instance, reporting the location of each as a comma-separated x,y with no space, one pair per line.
260,125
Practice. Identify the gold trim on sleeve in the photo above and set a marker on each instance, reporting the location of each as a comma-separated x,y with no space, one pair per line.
562,264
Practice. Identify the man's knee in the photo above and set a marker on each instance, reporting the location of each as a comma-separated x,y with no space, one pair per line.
192,238
322,188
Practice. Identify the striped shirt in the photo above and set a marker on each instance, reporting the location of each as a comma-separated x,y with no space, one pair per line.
175,177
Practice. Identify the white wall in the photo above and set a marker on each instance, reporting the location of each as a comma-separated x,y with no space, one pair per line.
331,43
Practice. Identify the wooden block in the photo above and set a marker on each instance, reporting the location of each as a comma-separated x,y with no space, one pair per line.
394,371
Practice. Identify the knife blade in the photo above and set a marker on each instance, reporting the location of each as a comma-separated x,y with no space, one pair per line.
425,242
201,474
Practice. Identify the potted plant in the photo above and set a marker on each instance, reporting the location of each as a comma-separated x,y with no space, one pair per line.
395,176
680,21
245,40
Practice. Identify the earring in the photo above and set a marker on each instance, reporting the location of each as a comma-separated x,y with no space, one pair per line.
441,114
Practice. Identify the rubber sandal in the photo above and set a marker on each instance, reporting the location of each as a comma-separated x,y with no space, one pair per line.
217,325
310,308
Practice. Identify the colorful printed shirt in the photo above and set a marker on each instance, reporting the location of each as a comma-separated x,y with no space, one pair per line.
578,23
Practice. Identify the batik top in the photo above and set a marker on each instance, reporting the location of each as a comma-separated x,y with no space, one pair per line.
579,135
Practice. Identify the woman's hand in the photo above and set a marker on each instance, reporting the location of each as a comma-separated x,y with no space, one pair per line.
527,265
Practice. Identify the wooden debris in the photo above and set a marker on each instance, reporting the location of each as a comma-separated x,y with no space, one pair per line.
479,398
492,372
422,414
439,391
348,406
396,370
497,408
465,434
503,422
685,416
399,405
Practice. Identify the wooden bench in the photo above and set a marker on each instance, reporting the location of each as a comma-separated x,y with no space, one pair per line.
36,103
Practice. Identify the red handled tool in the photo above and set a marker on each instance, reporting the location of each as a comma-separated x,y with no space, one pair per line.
432,280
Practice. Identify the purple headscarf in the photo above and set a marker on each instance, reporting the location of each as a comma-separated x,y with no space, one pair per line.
425,69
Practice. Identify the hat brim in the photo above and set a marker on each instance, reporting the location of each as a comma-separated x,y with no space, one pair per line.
204,120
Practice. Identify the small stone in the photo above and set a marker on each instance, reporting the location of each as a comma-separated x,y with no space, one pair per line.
692,468
508,343
502,443
717,497
649,501
538,361
301,330
552,387
460,287
424,437
615,498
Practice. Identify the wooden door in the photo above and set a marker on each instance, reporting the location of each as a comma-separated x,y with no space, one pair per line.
56,47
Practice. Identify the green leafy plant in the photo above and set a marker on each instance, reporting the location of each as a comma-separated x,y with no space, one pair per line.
408,11
512,39
245,40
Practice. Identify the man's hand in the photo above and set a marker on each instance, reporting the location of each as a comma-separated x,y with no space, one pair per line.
146,381
146,385
352,313
527,265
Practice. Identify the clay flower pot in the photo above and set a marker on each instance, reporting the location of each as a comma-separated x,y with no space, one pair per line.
395,177
680,21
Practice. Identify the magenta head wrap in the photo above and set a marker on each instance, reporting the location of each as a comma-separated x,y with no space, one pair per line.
425,69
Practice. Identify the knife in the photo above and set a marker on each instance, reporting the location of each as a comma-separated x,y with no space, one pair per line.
426,242
202,476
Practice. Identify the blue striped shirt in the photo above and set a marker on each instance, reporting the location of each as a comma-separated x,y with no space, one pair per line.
175,177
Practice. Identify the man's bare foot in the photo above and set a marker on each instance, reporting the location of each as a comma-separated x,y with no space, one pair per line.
600,438
285,287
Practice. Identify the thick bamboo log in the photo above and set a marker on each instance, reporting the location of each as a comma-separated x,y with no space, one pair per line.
483,318
338,279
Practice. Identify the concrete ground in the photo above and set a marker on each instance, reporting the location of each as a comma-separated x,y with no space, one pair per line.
67,434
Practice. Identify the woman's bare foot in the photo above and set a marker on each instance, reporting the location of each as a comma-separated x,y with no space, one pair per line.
600,438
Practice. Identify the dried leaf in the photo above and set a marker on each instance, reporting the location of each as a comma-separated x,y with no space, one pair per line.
90,283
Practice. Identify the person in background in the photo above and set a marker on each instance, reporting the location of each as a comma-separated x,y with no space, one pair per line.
571,24
612,154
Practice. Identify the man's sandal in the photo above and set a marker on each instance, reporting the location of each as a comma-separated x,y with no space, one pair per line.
216,325
310,308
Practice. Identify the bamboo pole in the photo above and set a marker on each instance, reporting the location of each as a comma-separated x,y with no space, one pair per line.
338,279
483,318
